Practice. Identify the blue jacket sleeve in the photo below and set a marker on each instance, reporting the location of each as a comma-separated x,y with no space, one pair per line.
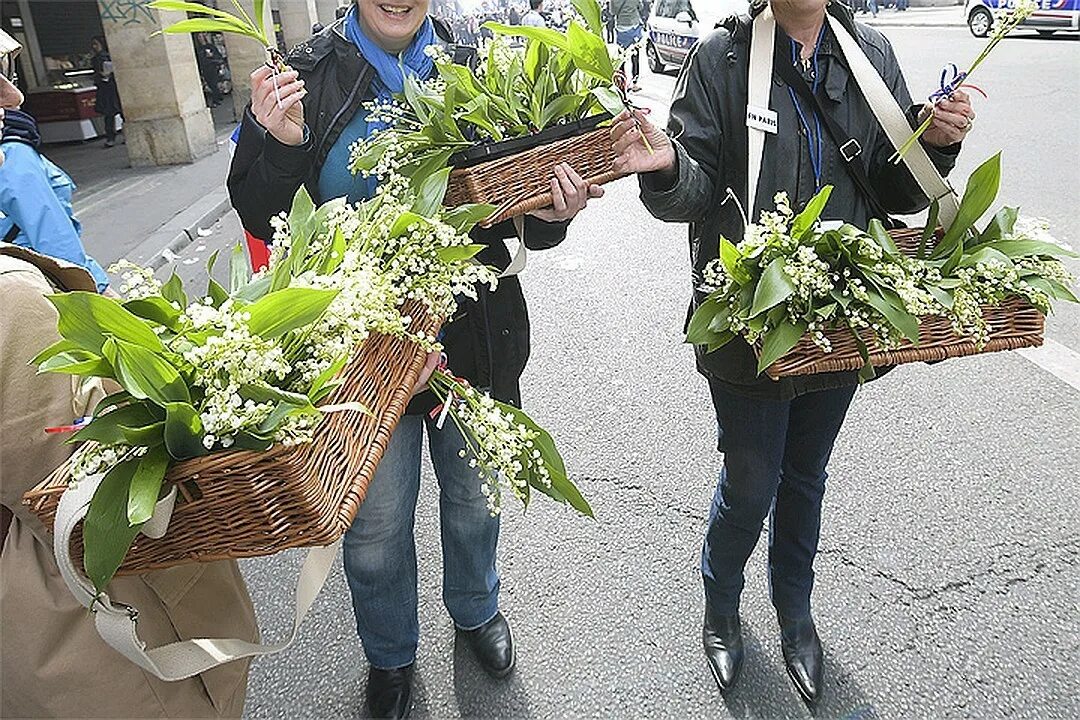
28,200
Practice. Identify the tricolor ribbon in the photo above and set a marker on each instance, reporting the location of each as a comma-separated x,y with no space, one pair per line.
76,424
952,79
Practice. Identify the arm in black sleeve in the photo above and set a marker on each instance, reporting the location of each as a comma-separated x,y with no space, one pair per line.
265,174
695,129
894,183
539,235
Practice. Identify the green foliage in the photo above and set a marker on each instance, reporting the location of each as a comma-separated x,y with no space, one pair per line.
789,278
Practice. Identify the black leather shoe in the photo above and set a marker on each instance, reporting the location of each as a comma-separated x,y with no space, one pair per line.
722,638
803,656
389,692
493,645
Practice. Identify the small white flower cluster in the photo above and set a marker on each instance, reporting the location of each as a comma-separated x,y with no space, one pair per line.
809,273
502,450
229,358
93,458
136,282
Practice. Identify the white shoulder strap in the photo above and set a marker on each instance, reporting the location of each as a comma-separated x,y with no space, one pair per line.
118,623
517,264
892,119
762,40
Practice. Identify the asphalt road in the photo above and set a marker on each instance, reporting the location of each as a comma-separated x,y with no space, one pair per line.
947,579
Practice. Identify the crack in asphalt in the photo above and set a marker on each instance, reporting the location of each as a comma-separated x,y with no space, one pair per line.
623,484
1051,558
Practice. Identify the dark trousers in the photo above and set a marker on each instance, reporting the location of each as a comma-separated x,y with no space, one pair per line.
775,453
110,127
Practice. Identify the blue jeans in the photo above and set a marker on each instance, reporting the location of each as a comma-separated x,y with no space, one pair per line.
380,551
775,453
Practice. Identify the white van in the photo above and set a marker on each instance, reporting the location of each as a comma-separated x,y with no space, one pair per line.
675,26
1052,15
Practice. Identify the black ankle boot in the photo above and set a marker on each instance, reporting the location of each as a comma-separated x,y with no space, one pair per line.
722,638
389,692
493,645
803,656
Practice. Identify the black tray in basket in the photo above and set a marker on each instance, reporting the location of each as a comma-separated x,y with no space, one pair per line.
493,151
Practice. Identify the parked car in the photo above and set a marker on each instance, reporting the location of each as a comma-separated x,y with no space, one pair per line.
1052,15
675,26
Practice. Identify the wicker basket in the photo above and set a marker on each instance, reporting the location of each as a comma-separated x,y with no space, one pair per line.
1013,324
246,503
521,182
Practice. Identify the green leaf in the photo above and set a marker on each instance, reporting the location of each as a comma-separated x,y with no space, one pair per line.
558,109
146,436
217,294
804,221
146,485
53,350
251,441
430,197
88,318
883,238
326,377
699,330
287,309
773,288
982,188
1016,249
564,489
609,99
259,7
173,291
116,399
778,342
192,7
590,10
238,268
464,217
551,38
929,229
459,253
334,254
108,428
729,257
1060,292
145,374
156,309
590,52
264,393
183,431
107,534
254,289
197,25
405,221
77,362
942,296
536,58
896,316
1000,226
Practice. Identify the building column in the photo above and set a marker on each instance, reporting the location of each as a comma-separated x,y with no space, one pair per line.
296,17
327,10
166,121
244,56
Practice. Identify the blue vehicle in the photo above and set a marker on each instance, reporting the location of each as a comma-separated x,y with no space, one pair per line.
675,26
1052,15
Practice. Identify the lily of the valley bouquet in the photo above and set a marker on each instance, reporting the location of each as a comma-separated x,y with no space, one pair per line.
252,365
559,78
788,278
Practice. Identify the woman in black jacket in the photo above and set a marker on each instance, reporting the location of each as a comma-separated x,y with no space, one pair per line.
107,100
300,134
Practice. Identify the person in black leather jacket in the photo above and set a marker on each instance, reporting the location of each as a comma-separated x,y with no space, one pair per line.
776,436
304,139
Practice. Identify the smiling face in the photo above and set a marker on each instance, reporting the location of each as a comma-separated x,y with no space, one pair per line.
392,24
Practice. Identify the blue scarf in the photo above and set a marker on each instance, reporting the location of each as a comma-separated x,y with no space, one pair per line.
334,177
391,69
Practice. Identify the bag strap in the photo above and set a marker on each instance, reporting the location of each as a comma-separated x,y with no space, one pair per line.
762,40
12,233
894,121
117,623
849,148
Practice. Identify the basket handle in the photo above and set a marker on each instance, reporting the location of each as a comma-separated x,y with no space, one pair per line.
117,623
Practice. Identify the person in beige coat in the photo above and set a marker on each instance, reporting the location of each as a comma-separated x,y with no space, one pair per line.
52,662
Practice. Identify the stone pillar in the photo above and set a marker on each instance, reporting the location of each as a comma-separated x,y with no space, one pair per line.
244,56
166,121
297,17
327,10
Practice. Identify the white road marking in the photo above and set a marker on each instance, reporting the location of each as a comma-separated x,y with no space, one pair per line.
1060,361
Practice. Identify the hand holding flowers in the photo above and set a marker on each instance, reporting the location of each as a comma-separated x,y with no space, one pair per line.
951,119
634,156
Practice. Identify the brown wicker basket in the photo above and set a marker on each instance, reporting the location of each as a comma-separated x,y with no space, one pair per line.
246,503
1013,324
519,183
